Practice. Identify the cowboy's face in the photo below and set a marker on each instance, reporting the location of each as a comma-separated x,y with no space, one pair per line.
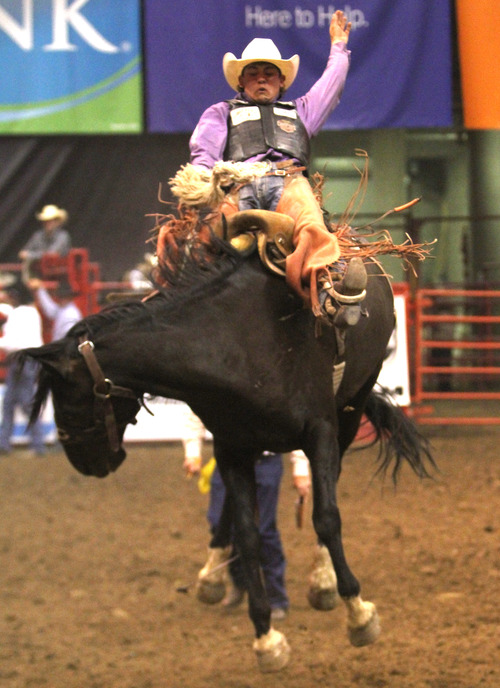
261,82
50,225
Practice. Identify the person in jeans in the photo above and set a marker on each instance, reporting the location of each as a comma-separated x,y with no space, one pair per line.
268,474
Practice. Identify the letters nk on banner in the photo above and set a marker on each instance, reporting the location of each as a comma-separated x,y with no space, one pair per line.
478,23
70,66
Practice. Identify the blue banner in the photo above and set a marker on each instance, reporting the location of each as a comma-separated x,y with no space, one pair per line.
70,66
401,65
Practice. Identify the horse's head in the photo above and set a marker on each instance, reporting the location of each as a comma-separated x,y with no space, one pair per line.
91,413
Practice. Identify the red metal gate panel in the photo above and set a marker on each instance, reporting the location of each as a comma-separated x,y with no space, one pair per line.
457,353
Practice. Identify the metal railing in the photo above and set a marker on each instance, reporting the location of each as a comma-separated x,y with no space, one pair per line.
456,353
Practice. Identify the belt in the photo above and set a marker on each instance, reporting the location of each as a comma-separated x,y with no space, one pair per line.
285,168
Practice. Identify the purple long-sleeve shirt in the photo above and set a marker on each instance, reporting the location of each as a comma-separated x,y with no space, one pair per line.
209,139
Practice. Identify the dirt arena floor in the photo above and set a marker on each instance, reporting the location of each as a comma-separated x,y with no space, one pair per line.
89,571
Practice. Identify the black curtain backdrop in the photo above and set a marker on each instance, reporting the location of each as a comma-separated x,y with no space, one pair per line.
107,184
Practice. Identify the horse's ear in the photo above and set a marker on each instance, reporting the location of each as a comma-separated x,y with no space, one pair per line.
49,356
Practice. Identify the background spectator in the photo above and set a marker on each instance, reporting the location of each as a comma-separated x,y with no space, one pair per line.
62,311
50,238
23,328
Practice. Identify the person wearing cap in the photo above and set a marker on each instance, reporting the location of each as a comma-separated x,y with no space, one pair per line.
50,238
61,310
256,126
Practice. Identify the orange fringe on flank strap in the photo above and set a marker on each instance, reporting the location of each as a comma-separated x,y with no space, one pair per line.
192,226
171,234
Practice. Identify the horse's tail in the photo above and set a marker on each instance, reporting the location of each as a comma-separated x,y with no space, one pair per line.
398,436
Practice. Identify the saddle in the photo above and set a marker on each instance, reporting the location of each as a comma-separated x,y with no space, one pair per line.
268,231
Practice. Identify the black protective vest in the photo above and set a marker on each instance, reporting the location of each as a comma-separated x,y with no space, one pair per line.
254,128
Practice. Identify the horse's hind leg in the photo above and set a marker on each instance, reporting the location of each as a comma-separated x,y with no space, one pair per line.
238,474
323,452
322,593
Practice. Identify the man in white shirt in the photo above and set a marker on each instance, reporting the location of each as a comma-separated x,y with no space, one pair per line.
23,328
62,311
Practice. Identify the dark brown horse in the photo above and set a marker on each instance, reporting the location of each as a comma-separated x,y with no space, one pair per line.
229,339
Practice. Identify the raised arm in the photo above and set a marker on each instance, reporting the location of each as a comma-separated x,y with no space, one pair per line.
340,28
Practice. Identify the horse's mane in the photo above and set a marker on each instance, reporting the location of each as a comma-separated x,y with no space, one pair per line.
190,255
187,268
116,313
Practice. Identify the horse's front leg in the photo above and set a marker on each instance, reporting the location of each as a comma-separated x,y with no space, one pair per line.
238,473
321,447
211,584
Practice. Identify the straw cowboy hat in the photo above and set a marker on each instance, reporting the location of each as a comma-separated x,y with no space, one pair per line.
51,212
259,50
6,279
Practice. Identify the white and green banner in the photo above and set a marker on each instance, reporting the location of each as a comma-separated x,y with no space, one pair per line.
70,67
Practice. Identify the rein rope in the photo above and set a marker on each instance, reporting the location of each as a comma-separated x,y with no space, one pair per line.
104,389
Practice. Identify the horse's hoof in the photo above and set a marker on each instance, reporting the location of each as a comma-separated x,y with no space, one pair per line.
272,650
322,600
322,593
211,584
210,593
367,634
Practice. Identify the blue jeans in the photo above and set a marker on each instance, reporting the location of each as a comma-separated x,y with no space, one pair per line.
263,192
19,391
268,473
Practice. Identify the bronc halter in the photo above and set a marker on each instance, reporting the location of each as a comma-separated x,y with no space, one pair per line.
103,390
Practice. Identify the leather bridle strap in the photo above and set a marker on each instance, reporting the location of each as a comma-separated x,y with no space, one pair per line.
104,389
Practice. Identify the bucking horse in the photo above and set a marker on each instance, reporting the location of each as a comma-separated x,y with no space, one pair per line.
225,335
